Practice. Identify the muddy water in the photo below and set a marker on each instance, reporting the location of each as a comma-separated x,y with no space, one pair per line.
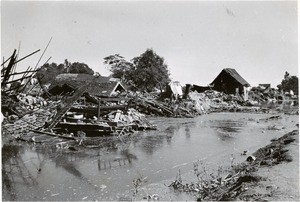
35,172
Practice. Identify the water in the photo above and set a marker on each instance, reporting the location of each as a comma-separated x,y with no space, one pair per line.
36,172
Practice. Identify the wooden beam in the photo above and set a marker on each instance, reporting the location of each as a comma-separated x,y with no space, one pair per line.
8,69
27,56
16,80
16,73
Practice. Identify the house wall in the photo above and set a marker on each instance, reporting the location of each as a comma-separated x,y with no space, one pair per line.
227,84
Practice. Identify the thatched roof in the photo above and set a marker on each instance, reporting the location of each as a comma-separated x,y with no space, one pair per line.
233,73
103,86
80,78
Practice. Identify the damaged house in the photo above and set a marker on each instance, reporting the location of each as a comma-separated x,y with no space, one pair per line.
230,82
90,106
102,86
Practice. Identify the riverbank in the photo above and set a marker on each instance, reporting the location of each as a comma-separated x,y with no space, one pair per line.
271,173
282,180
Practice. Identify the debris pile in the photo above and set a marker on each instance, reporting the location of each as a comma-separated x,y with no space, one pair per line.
214,101
261,94
132,118
15,127
151,105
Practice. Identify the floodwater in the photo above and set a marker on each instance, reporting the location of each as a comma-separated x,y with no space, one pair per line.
36,172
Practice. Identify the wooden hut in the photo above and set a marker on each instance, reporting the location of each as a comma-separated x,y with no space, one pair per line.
229,82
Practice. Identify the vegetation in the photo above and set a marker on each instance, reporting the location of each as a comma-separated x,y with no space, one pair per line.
289,83
119,67
48,72
146,72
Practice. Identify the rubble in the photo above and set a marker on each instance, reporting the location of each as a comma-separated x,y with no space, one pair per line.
97,105
214,101
115,115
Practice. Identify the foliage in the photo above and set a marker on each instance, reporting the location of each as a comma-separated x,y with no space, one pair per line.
48,72
80,68
150,71
289,83
146,72
119,67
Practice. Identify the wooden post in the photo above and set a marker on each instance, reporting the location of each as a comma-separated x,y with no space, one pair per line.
98,109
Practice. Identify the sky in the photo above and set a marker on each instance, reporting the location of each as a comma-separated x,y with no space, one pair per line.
197,39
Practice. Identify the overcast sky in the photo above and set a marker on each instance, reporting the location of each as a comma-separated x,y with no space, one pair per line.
197,39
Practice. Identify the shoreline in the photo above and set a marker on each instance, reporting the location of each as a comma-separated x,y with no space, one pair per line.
271,173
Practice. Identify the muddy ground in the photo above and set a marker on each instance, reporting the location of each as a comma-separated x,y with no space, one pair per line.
280,181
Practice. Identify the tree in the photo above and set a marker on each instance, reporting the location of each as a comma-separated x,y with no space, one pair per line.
119,67
80,68
150,71
289,83
48,72
146,72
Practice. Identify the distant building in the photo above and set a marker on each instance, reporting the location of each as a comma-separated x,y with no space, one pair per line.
229,82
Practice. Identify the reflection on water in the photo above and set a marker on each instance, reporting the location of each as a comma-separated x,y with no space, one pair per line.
14,171
152,143
63,161
228,126
226,129
105,172
187,132
125,158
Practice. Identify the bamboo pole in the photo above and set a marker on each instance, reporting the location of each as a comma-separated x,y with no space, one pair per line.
27,56
42,54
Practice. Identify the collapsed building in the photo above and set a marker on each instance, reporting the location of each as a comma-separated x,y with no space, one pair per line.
66,84
90,104
75,105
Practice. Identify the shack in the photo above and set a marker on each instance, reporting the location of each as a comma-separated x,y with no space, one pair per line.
230,82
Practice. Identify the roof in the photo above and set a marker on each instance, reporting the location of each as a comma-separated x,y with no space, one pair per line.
103,86
233,73
80,77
